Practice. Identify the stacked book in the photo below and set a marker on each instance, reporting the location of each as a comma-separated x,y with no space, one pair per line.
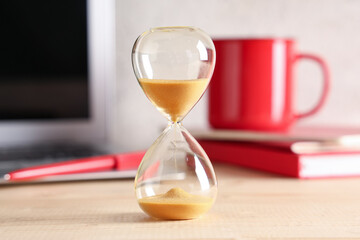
302,152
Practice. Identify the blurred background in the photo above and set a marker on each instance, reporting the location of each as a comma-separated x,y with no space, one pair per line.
328,28
73,41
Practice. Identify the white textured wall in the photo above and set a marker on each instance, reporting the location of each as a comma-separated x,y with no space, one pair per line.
329,28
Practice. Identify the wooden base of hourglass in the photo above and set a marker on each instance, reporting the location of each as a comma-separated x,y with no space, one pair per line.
175,98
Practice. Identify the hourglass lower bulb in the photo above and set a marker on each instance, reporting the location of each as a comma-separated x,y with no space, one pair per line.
174,65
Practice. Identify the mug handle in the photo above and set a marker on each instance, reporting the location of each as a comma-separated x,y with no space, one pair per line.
326,84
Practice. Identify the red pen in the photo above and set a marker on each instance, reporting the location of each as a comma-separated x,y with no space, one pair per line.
122,161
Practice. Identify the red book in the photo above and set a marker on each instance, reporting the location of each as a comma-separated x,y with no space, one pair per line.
300,156
284,161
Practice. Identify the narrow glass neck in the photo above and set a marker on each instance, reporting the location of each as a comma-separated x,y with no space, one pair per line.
173,124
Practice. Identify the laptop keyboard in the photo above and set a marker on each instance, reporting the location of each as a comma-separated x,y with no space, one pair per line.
12,158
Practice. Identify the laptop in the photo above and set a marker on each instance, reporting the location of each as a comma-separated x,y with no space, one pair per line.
57,68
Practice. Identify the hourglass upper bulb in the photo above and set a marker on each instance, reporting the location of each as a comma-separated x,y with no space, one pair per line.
174,66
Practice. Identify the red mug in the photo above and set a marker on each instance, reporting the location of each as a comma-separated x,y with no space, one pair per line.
252,84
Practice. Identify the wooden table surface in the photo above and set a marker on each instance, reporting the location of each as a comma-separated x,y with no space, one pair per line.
250,205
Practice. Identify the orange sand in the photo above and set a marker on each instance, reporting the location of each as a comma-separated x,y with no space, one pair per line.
176,204
175,98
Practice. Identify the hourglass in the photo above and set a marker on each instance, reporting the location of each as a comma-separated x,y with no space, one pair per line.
173,65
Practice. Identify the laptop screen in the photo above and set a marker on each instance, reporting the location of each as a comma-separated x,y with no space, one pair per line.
43,60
